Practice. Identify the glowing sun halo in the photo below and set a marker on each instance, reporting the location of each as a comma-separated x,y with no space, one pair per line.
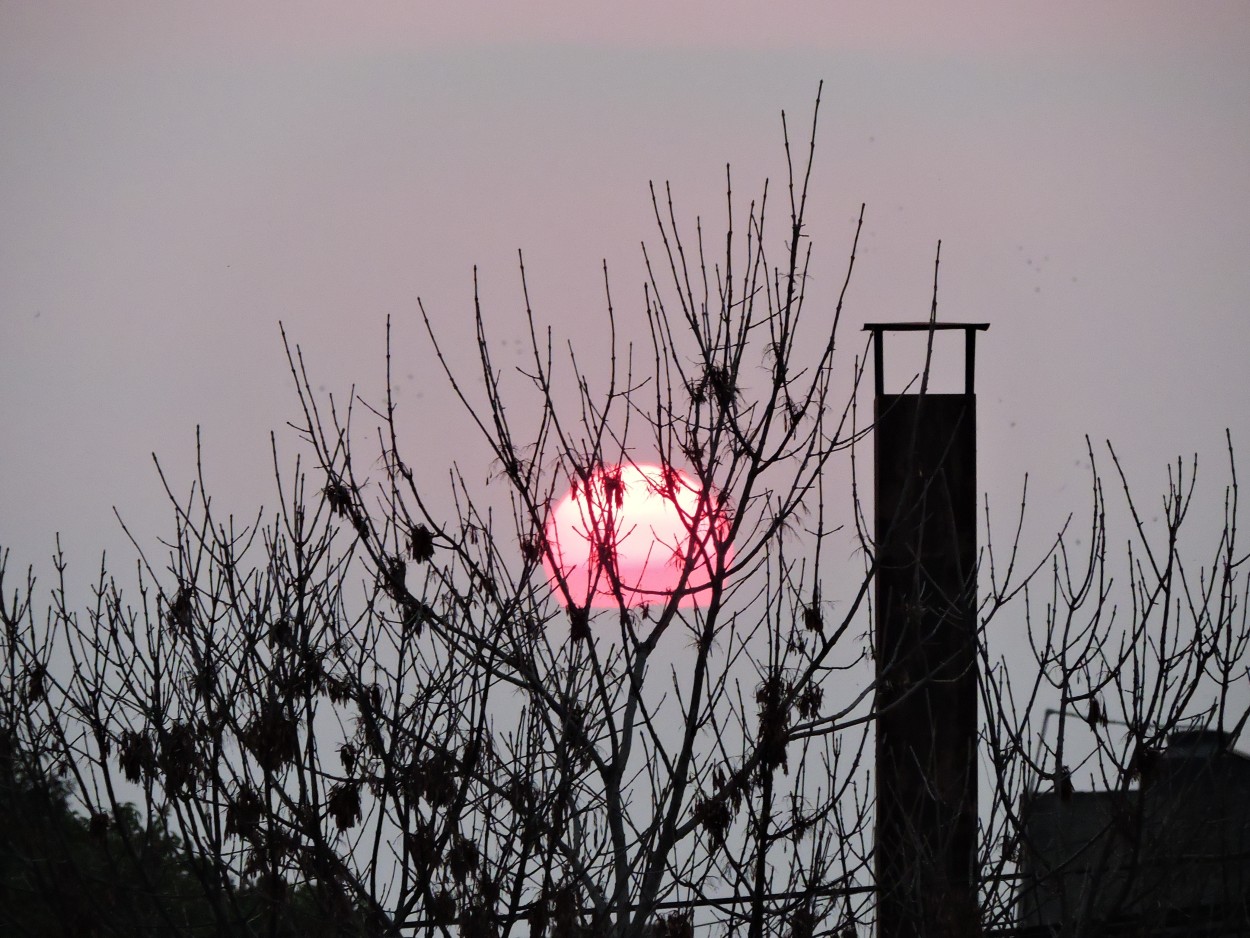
639,521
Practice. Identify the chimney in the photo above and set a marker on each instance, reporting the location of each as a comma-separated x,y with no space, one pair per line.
925,650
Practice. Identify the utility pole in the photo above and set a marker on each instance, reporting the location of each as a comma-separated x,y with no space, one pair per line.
925,650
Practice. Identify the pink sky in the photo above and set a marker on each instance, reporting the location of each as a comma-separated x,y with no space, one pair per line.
175,178
143,29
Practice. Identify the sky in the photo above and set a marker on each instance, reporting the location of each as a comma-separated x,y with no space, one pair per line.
176,178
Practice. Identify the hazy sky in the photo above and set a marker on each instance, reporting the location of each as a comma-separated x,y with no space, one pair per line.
175,178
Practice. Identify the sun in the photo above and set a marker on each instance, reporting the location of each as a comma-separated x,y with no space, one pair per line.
635,534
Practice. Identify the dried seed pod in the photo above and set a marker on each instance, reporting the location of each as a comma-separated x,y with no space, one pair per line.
272,738
179,615
136,755
579,623
462,858
421,544
813,621
344,804
714,816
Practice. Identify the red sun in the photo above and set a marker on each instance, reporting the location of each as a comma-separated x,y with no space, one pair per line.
638,526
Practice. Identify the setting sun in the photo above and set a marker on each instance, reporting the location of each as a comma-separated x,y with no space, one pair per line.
634,526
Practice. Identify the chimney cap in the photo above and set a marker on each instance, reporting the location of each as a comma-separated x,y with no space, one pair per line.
924,326
970,330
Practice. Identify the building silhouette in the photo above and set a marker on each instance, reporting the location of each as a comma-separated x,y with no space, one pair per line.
1170,856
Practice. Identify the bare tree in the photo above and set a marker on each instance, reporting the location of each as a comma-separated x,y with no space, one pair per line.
389,701
1120,807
